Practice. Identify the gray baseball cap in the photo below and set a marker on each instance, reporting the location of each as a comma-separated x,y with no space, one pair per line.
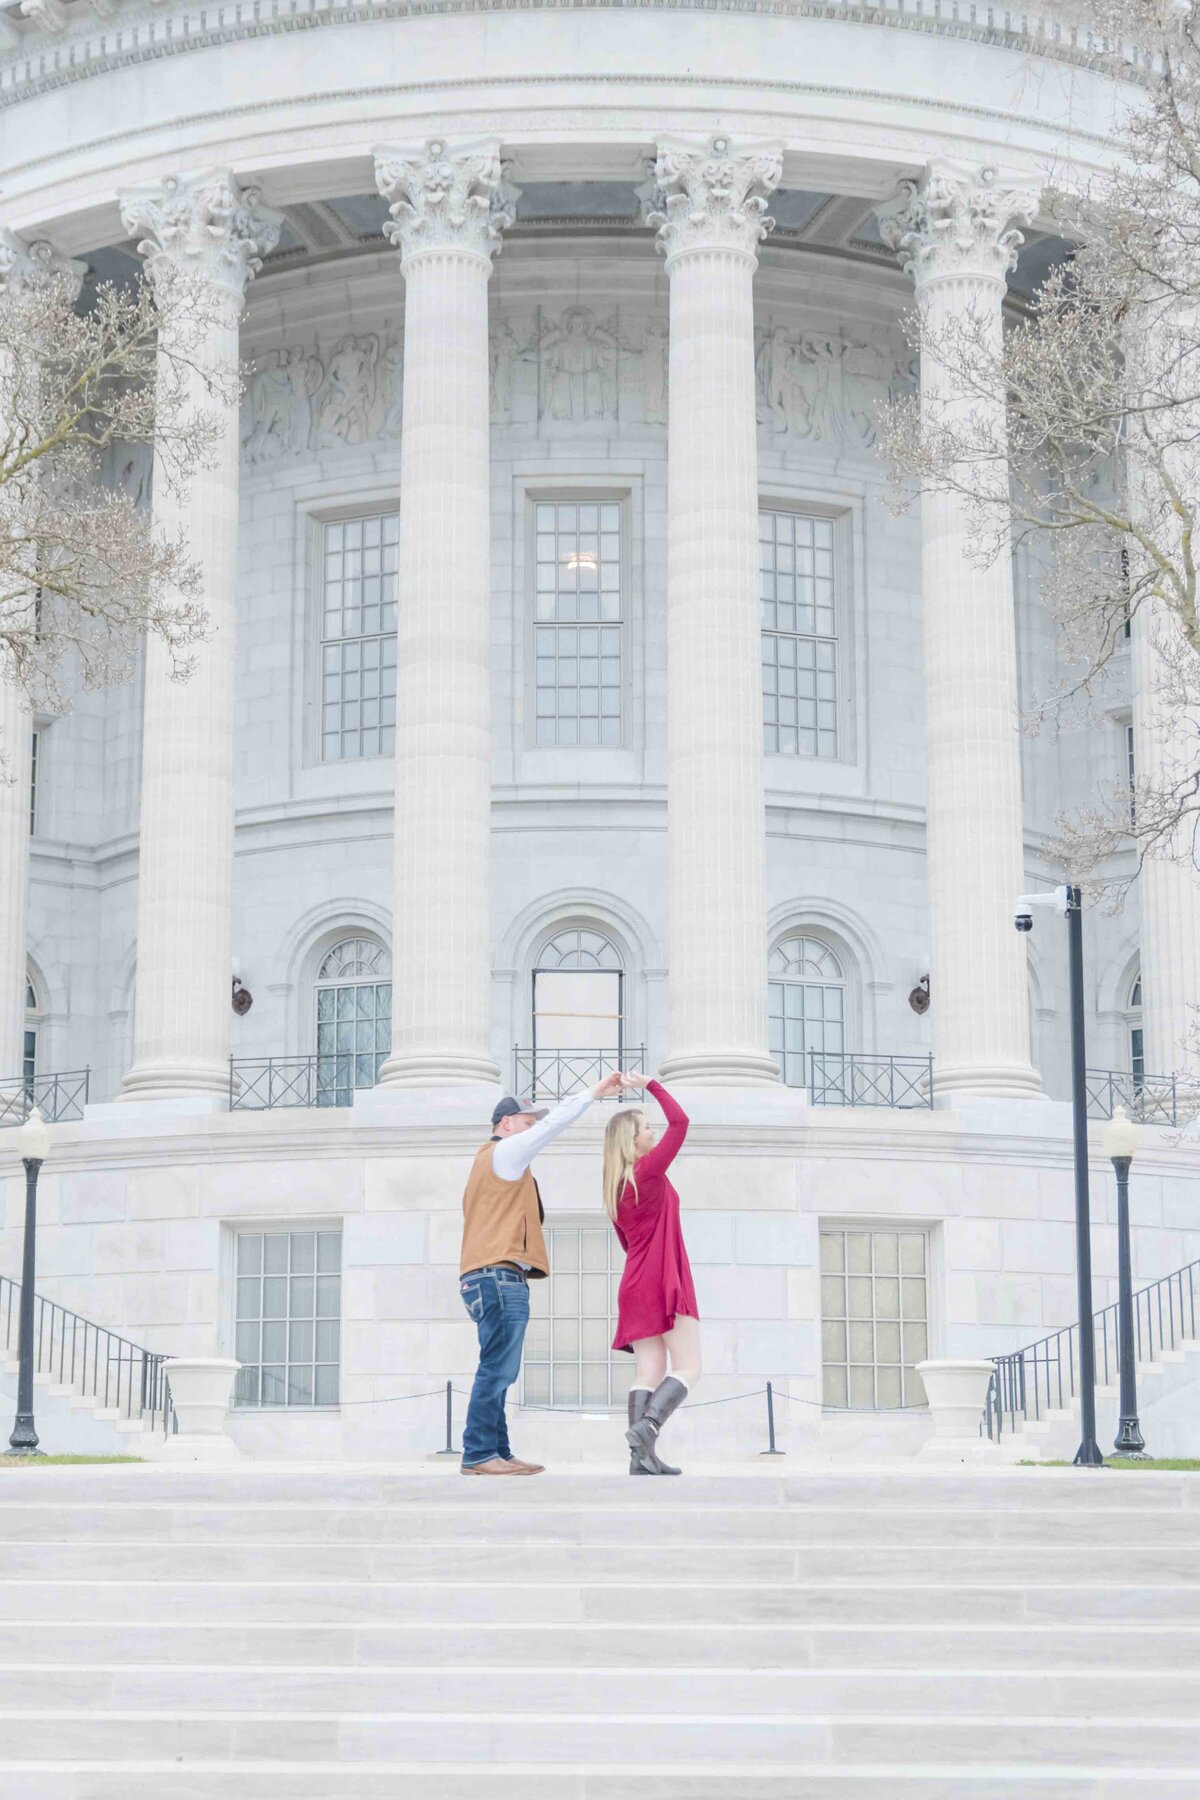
510,1106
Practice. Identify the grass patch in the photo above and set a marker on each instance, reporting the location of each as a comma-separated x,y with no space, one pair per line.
42,1462
1127,1462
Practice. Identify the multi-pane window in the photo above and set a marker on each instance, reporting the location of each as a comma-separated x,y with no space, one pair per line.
354,1019
358,637
30,1037
874,1317
578,615
806,1009
569,1360
1137,1054
577,1012
288,1323
799,634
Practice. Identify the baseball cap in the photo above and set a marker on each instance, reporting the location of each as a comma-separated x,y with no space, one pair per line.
510,1106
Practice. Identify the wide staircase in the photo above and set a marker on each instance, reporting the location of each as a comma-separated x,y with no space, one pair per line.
264,1632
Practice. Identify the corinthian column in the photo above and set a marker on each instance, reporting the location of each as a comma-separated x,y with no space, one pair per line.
22,267
449,205
709,207
205,233
954,232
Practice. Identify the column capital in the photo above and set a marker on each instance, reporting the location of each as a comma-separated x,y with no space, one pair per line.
24,267
711,194
204,225
955,220
445,196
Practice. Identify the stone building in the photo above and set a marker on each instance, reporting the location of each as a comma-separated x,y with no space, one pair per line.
572,695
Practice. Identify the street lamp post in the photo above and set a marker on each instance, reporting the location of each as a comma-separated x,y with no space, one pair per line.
1120,1144
33,1146
1068,902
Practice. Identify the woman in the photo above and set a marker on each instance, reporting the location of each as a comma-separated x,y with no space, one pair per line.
657,1316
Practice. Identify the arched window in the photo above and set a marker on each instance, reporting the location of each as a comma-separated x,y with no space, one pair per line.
806,1005
1133,1022
29,1052
354,1018
578,1011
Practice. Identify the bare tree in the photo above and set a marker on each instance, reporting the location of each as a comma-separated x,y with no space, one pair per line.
1097,464
84,575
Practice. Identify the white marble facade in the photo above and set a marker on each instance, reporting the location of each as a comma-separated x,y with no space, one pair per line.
565,368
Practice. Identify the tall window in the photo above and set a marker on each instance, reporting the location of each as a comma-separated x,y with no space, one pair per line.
1131,775
29,1043
806,1006
578,1011
578,612
354,1019
572,1316
1137,1055
799,634
288,1323
874,1317
358,637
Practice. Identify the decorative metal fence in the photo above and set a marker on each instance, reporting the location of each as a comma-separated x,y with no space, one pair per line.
1044,1376
846,1078
1151,1099
553,1074
99,1364
56,1097
260,1084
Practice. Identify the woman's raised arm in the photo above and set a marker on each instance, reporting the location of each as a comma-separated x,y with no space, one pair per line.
659,1160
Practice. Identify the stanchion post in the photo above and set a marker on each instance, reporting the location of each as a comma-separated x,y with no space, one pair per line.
449,1449
771,1451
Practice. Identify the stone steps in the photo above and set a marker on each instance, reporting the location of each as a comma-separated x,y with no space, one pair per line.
342,1634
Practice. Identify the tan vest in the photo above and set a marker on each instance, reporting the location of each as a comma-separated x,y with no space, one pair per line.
502,1220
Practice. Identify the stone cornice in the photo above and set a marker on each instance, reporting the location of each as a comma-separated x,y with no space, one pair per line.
95,45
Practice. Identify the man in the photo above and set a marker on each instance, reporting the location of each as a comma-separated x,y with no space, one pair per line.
502,1251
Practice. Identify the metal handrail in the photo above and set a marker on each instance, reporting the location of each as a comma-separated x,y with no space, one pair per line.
1151,1099
99,1364
553,1074
57,1097
264,1083
848,1078
1044,1374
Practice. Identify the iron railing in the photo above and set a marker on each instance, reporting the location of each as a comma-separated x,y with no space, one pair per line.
98,1364
1150,1099
553,1074
1028,1383
846,1078
55,1096
260,1084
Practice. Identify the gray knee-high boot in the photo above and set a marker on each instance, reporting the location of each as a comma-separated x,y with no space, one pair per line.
639,1400
667,1398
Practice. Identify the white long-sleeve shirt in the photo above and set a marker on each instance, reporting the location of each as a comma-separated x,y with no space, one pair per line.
511,1156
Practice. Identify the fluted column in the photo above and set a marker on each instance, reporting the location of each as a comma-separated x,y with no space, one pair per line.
954,232
23,266
1169,881
449,205
212,234
709,208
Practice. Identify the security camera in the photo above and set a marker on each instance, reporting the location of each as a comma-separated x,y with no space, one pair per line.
1059,898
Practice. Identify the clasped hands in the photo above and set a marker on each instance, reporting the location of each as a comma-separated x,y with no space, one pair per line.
618,1083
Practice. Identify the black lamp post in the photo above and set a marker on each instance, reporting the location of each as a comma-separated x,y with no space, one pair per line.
33,1146
1068,901
1120,1143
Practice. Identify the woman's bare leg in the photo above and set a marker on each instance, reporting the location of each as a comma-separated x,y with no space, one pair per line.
650,1356
682,1344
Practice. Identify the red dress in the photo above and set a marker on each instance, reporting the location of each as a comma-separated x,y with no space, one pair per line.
657,1283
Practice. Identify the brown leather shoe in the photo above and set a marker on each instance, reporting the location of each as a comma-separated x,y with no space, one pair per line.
524,1468
496,1467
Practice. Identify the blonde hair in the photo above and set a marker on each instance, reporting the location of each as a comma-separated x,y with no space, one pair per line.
619,1158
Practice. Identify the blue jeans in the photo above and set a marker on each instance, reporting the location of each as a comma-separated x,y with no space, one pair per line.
498,1302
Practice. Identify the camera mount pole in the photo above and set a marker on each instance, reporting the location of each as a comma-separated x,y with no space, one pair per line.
1088,1453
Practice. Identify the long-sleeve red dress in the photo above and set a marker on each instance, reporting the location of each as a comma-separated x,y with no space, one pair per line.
657,1283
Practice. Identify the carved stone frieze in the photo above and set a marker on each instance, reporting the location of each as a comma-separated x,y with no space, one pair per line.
957,221
822,386
304,398
206,225
444,196
710,195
